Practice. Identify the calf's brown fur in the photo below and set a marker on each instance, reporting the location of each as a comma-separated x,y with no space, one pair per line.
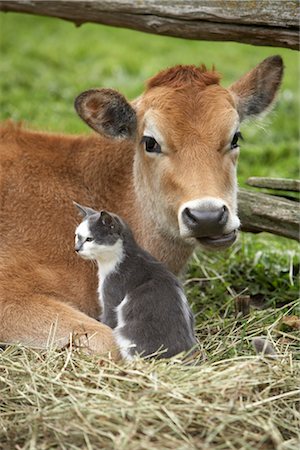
44,287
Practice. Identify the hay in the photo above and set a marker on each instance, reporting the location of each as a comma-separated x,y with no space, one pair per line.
69,400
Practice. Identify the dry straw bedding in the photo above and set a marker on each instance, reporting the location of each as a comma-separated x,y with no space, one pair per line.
69,400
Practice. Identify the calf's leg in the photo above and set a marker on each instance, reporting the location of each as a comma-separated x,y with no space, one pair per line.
41,321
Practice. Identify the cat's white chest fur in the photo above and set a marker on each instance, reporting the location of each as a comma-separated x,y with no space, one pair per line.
109,258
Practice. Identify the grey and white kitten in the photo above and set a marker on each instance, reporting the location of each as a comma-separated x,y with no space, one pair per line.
141,300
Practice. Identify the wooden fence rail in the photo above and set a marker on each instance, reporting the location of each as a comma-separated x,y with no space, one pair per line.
263,212
261,22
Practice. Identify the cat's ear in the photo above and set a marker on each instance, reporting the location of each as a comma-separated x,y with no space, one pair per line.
107,219
84,210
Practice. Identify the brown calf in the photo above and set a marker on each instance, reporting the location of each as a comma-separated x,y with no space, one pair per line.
166,163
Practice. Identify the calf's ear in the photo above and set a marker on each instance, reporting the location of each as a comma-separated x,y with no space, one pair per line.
256,90
107,112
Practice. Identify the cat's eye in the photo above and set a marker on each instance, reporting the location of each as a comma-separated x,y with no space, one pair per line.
151,146
89,239
235,140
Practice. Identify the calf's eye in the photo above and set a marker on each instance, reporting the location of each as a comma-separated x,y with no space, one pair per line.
235,140
151,146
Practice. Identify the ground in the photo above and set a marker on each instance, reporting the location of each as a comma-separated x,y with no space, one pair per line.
231,399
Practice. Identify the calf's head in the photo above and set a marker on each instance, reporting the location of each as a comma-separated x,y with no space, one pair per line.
186,128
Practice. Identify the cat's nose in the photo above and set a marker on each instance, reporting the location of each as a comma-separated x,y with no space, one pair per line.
77,247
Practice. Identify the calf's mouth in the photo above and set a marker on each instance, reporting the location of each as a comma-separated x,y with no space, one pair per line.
218,242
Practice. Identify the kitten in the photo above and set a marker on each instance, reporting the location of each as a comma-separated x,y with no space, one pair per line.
141,300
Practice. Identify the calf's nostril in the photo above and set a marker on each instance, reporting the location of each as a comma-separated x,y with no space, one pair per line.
223,215
188,213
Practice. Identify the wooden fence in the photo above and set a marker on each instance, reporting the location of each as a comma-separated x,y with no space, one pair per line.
261,22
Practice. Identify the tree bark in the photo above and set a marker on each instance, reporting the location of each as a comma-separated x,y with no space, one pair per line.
262,212
274,23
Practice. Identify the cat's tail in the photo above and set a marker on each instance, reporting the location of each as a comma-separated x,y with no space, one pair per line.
264,347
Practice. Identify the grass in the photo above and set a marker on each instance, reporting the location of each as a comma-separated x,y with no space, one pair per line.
68,400
232,399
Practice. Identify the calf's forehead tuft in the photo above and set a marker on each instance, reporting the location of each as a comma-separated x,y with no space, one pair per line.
181,76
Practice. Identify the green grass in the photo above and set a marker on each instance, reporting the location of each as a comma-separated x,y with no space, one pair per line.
57,400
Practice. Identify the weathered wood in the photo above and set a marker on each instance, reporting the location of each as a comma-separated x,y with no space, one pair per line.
259,22
262,212
280,184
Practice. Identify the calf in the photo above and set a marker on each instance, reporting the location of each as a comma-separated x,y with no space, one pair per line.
166,163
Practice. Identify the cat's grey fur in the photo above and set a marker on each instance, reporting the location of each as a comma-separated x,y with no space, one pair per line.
142,301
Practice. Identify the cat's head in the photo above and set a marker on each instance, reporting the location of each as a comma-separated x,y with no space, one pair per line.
99,235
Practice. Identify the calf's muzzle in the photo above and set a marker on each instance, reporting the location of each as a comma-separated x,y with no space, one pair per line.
205,222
